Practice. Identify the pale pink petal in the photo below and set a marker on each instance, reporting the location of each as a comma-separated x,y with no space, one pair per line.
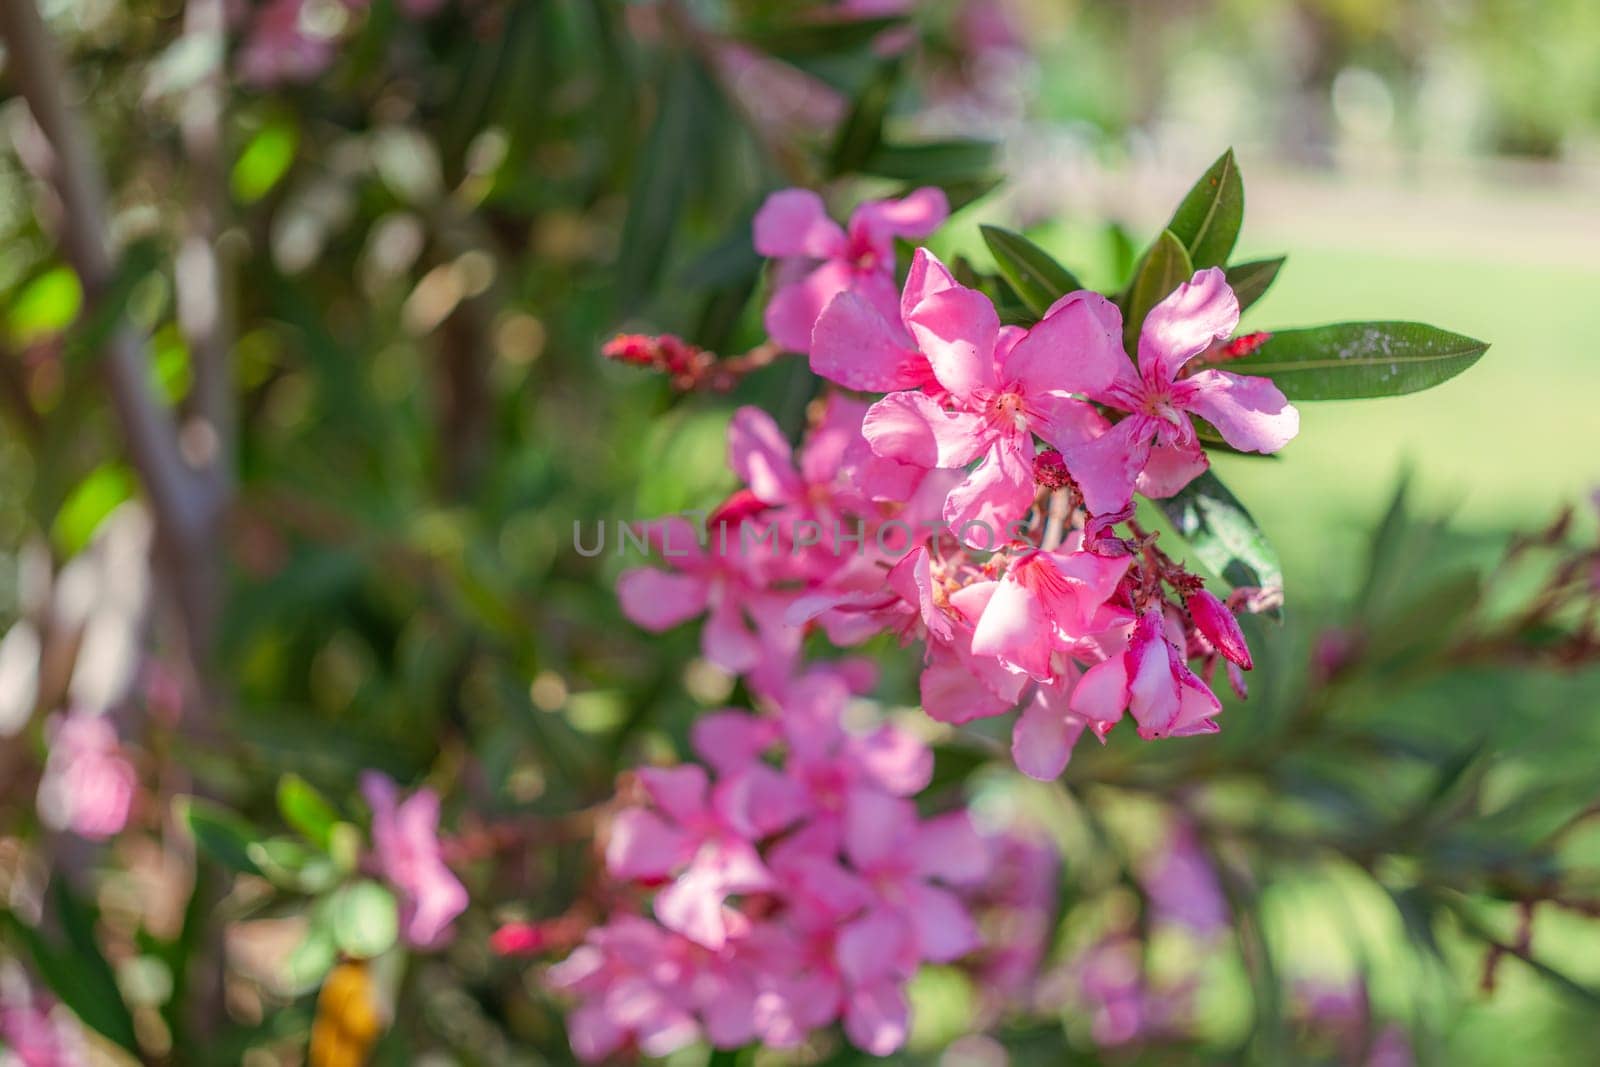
794,309
877,827
1075,348
726,639
1042,740
759,454
911,427
1101,695
855,345
926,277
950,692
795,222
830,440
758,801
1107,467
949,848
944,929
1250,412
876,1018
876,945
911,579
917,214
1016,630
679,791
1196,705
1153,690
657,600
894,759
1064,422
693,906
729,740
999,492
1170,468
956,329
644,846
1200,311
593,1035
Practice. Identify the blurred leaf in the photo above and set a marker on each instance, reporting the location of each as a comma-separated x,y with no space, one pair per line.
662,180
1164,267
1250,281
139,260
1223,534
100,493
861,132
289,864
218,832
1355,360
306,810
816,35
266,159
365,919
46,306
77,972
1207,222
942,163
1035,277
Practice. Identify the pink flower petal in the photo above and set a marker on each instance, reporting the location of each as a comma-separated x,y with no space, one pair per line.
1107,467
1042,740
794,309
944,929
657,600
1200,311
1064,422
956,329
1170,468
1075,348
875,946
1250,412
679,791
878,827
916,214
643,846
795,222
855,345
877,1018
1102,693
949,848
1016,630
995,495
910,427
926,277
759,454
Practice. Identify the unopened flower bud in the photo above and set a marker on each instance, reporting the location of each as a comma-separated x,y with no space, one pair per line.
1217,624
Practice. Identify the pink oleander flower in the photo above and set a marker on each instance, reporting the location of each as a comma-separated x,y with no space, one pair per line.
88,785
745,629
1182,886
405,844
1016,907
999,386
1154,447
33,1031
1152,680
1048,601
821,259
1219,627
280,49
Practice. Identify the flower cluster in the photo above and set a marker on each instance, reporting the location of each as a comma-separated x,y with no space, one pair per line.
791,881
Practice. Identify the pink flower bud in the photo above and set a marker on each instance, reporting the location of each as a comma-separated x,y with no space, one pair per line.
1219,627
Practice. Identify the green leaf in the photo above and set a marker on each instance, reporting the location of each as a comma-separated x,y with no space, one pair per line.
1036,277
77,972
46,306
861,132
365,919
1355,360
266,159
941,163
816,36
1207,222
1250,281
306,810
1223,535
100,493
1164,267
218,832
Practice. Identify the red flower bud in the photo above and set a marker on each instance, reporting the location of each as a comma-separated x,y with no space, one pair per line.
1217,624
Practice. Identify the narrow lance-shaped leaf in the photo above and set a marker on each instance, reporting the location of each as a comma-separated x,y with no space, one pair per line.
1165,267
1031,271
1356,360
861,132
1207,222
942,163
1224,536
1250,281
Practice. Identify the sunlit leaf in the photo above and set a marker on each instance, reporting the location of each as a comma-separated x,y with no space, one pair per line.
1207,222
1031,271
1223,535
1250,281
1164,267
1355,360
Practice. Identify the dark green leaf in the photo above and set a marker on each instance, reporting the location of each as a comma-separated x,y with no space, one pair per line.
813,36
940,163
1250,281
77,972
1223,534
1207,222
861,132
1035,277
218,833
1164,267
1354,360
306,810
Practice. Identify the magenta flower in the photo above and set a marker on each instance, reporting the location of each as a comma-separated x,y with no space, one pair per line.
405,846
821,259
1155,446
1046,601
1151,679
1000,387
88,785
280,49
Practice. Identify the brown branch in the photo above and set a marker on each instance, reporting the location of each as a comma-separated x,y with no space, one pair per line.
186,501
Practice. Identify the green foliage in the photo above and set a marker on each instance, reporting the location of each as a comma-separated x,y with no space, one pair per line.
1030,271
1207,222
1357,360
